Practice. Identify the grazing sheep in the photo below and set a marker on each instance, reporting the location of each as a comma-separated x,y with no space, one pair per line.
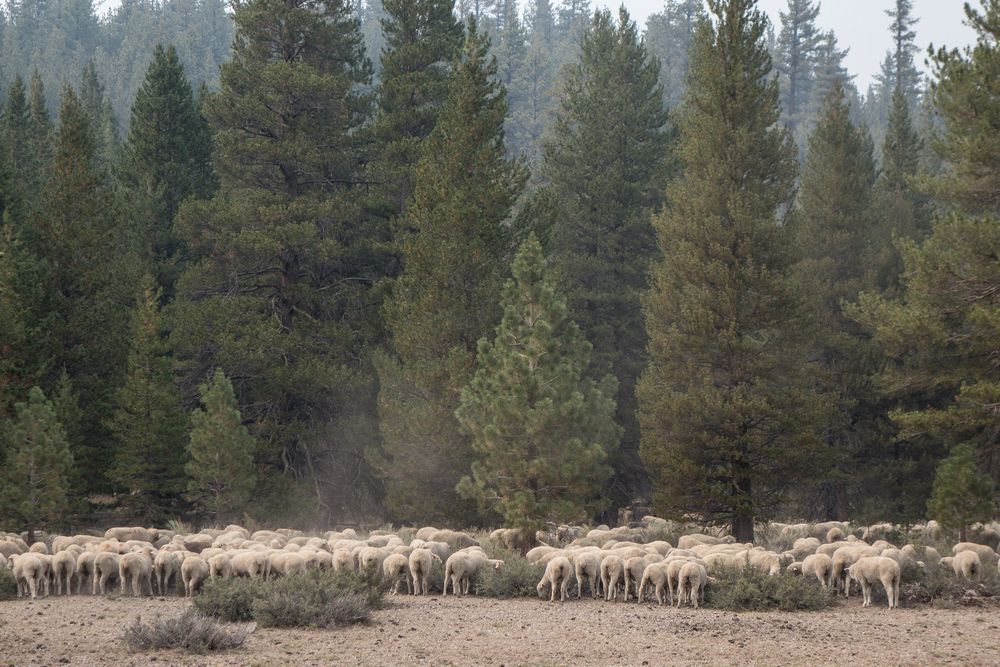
63,569
453,538
835,534
285,563
843,558
655,574
136,568
612,574
421,562
343,560
251,564
557,575
688,541
986,554
872,569
819,566
716,563
194,571
84,569
460,567
136,533
395,568
967,564
587,567
765,561
39,548
29,572
166,565
691,582
220,566
105,568
538,553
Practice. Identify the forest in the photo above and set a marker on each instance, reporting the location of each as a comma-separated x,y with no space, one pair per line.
482,264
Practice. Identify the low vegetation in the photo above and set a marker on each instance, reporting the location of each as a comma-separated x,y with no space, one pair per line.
750,589
517,577
192,631
8,586
314,599
941,588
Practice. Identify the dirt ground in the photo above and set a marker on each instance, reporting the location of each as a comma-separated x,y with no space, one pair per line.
87,631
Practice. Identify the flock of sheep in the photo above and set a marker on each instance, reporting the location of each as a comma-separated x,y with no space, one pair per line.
610,562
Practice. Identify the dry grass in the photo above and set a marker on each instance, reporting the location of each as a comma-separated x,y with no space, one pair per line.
191,631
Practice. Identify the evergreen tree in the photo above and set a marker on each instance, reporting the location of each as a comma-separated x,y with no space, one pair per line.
541,430
282,300
453,243
607,161
149,423
532,89
166,159
34,478
962,495
834,235
668,36
102,118
40,130
66,404
87,280
422,38
798,43
728,412
906,77
221,449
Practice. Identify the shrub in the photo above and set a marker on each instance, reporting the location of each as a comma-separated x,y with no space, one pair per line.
517,577
940,587
312,599
191,631
8,585
749,589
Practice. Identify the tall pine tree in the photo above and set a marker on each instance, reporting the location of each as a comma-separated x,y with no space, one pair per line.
607,162
798,44
453,242
149,423
282,300
541,429
728,412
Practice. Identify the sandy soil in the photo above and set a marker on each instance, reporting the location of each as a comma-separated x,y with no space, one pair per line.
434,631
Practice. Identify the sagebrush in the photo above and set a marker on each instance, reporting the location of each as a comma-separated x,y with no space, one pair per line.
191,631
749,589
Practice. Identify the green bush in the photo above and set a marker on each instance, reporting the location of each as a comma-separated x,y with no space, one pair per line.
8,585
191,631
749,589
940,587
517,577
312,599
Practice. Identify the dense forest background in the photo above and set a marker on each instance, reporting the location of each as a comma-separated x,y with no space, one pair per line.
462,263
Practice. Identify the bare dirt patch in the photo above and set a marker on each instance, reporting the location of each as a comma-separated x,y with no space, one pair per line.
469,631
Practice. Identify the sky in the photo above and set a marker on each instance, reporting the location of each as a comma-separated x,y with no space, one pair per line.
859,24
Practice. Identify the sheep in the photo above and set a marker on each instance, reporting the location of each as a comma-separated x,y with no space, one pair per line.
843,558
871,569
803,547
632,571
63,569
194,570
136,533
9,548
612,572
655,574
248,564
425,533
105,568
220,566
557,574
166,565
395,567
286,562
765,561
343,560
718,562
61,542
84,568
587,566
39,548
460,567
691,582
453,538
986,554
135,567
421,562
820,566
967,564
835,534
29,572
694,539
536,554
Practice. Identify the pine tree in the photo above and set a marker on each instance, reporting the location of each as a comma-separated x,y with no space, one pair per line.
149,423
541,429
607,161
66,404
102,118
34,483
453,243
166,159
422,38
87,280
282,300
532,89
668,36
221,449
906,77
834,235
962,494
798,43
728,412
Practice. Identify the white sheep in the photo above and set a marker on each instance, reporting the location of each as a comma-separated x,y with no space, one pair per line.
462,565
612,574
872,569
843,558
691,582
84,569
220,566
421,562
819,566
587,566
986,554
105,569
136,568
394,568
63,569
967,564
194,570
166,565
29,572
655,574
557,575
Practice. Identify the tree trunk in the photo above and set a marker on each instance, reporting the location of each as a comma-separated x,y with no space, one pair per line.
961,533
742,523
